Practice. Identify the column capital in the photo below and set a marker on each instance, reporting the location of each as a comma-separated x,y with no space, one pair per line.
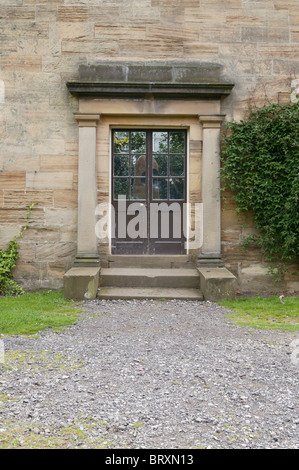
87,119
211,121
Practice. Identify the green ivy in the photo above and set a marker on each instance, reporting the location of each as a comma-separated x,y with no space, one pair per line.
260,165
8,258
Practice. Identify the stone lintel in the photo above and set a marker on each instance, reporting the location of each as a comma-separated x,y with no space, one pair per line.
217,283
81,283
149,90
175,80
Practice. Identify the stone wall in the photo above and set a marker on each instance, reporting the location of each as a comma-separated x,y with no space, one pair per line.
43,44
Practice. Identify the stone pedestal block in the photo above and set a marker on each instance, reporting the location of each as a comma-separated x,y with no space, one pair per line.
81,283
217,284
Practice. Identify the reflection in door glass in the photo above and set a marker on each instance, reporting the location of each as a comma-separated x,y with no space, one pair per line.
138,165
160,142
177,142
138,188
121,187
159,165
177,165
138,142
121,142
176,188
121,165
159,188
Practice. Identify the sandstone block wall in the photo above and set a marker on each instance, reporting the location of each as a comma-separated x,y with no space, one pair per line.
43,43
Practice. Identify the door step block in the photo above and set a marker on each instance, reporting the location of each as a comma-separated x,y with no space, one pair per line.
145,278
150,261
155,293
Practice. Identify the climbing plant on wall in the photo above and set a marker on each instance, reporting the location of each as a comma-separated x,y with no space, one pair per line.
8,259
260,165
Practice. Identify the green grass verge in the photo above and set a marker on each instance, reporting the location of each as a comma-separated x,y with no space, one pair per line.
265,313
83,433
33,312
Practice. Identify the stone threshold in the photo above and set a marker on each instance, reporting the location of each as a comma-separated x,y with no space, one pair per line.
155,293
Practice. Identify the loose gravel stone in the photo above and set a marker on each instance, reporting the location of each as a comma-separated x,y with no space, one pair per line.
150,375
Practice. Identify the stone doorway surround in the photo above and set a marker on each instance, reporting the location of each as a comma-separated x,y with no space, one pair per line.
151,95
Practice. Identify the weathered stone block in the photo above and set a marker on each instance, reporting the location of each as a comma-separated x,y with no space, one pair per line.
262,34
49,147
141,73
72,13
66,198
22,198
47,234
8,232
21,13
18,163
56,270
49,180
19,216
117,31
61,216
12,179
293,287
27,270
58,162
81,283
103,72
55,251
27,63
217,283
89,46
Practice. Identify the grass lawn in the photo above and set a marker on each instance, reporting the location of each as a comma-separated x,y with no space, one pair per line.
265,313
33,312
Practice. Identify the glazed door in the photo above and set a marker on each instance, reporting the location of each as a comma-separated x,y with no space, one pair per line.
148,191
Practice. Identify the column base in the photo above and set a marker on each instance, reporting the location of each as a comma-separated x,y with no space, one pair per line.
87,260
212,260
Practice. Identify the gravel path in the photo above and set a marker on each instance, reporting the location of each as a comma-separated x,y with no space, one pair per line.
150,375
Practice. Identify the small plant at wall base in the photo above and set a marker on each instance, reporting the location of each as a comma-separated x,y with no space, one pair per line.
8,258
260,165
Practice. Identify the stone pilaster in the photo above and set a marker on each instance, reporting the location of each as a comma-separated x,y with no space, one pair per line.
211,249
82,280
87,249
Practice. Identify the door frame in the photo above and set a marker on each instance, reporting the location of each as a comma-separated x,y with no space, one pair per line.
95,119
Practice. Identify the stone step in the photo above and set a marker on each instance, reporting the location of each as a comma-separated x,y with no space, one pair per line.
155,293
146,277
150,261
